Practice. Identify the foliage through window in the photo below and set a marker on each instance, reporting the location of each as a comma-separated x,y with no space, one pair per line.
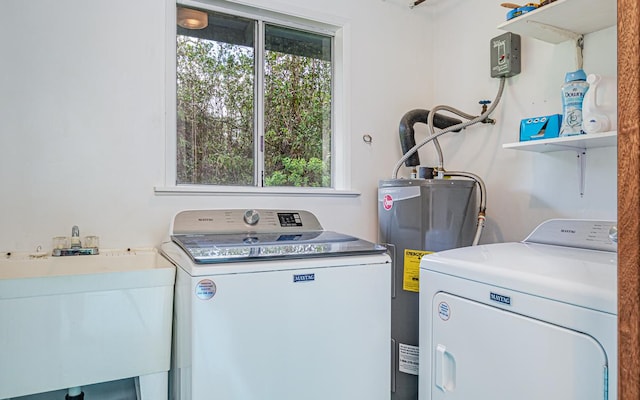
253,104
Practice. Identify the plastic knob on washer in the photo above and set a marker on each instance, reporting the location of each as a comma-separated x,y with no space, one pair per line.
251,217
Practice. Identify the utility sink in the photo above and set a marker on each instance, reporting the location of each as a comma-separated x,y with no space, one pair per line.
71,321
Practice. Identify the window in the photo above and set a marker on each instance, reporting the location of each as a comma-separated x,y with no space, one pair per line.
254,100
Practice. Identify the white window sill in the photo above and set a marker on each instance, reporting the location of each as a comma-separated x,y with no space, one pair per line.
205,190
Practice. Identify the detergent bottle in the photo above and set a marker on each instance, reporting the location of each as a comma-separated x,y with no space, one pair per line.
573,92
594,120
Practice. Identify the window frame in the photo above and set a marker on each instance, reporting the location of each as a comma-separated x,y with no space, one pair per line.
340,166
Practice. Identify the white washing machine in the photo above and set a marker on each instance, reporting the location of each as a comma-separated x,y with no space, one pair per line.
269,306
529,321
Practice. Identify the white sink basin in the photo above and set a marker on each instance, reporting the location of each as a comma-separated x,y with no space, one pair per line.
79,320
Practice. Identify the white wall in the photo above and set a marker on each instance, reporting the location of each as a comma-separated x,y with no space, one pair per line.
523,188
82,117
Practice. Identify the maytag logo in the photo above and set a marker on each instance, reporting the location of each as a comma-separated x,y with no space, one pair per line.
304,278
500,298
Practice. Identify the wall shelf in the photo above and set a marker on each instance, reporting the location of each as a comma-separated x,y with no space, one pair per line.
555,23
564,19
576,143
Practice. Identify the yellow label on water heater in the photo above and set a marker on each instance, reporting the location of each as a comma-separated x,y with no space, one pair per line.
411,275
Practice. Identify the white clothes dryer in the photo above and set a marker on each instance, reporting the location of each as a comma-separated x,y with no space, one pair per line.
530,320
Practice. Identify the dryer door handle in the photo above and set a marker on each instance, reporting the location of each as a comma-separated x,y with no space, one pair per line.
445,369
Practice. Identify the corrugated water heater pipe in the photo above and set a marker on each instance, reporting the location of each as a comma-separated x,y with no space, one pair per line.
408,134
431,123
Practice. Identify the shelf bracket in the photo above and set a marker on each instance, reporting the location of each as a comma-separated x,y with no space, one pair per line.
582,168
412,3
579,52
568,35
578,38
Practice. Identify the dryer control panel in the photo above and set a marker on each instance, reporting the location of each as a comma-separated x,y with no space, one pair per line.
584,234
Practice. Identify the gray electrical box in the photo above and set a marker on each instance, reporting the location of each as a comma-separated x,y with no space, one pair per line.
505,55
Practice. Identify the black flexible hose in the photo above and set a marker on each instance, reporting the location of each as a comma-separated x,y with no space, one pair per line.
407,133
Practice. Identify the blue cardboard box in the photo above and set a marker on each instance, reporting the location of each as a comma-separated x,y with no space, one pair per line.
535,128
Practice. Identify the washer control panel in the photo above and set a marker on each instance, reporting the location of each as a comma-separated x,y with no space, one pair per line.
244,220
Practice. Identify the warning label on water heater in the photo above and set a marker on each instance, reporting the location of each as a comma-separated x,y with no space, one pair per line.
411,275
408,358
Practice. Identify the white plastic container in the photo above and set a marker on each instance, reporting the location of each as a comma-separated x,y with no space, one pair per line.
594,118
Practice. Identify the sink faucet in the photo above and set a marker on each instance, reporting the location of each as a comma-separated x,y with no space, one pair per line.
76,248
75,237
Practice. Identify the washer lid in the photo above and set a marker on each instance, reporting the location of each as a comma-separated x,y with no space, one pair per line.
582,277
234,247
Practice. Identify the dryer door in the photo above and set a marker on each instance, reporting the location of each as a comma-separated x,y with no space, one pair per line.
481,352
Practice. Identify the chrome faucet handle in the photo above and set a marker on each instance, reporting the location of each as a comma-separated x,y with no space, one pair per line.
75,237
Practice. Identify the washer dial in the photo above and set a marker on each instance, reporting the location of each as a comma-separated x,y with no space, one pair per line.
251,217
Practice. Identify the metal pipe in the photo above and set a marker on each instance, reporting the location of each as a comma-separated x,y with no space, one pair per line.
483,201
457,127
